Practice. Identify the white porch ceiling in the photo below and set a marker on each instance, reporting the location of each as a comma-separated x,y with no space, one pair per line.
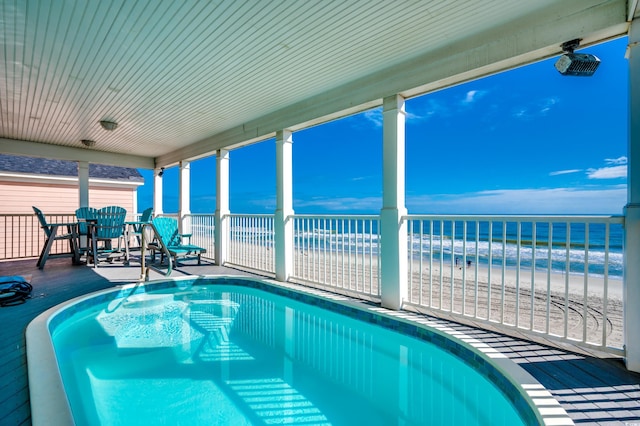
183,78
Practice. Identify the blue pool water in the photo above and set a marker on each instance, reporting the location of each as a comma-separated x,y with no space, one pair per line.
235,355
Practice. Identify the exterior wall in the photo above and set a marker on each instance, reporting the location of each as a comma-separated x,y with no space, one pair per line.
100,197
17,198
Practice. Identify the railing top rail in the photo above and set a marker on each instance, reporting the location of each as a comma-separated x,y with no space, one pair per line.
331,216
250,215
33,214
522,218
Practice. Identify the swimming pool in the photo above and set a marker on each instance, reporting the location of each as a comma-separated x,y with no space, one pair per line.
241,351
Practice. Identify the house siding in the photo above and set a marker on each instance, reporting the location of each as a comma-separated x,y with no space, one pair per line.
17,198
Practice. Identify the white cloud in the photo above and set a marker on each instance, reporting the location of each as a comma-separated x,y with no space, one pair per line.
374,116
616,168
524,201
614,172
520,113
357,178
547,104
473,96
538,108
564,172
620,161
343,204
548,201
415,117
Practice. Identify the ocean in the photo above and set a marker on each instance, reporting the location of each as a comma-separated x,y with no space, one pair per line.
564,247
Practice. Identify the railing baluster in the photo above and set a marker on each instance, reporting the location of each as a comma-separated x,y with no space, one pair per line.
566,282
464,268
332,281
605,289
349,251
518,261
504,268
452,280
533,272
342,261
420,264
549,268
490,267
441,263
585,298
410,226
477,265
430,263
370,256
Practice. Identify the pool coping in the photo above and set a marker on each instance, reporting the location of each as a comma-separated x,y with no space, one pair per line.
49,404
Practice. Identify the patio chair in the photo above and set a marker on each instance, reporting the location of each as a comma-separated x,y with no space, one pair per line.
109,225
166,231
51,233
136,226
84,216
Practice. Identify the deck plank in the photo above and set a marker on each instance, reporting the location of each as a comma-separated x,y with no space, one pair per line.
593,390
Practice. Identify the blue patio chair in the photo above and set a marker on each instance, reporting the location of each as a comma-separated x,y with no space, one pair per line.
51,234
109,225
136,226
84,216
166,231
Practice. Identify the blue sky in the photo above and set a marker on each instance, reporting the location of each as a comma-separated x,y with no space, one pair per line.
527,141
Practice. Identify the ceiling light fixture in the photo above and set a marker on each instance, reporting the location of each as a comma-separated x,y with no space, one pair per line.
88,142
576,64
108,125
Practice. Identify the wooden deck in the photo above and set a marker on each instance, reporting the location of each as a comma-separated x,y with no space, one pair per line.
593,390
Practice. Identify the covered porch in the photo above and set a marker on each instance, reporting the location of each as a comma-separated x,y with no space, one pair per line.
162,88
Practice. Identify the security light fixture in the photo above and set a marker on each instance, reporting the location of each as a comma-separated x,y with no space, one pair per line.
576,64
108,125
88,142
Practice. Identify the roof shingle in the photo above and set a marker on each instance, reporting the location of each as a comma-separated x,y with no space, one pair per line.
43,166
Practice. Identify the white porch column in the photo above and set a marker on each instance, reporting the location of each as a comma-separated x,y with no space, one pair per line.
283,223
184,208
222,206
83,184
632,210
157,191
393,233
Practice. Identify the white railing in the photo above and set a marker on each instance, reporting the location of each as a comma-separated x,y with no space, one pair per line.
251,242
555,276
338,252
202,227
22,237
560,277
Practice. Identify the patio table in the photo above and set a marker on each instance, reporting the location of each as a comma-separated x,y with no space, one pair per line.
71,228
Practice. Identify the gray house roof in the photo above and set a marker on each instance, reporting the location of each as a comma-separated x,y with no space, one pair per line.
43,166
